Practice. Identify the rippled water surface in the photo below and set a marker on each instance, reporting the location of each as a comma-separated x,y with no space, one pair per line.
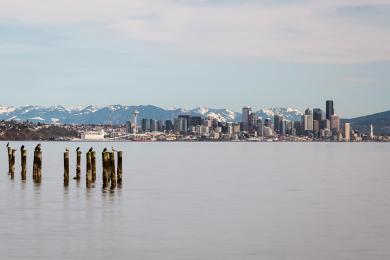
204,201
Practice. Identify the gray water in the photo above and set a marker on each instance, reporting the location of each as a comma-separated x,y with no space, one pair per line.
204,201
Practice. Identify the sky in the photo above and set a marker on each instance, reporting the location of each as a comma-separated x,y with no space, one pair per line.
177,53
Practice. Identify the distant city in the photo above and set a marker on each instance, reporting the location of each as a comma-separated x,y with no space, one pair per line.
315,125
281,125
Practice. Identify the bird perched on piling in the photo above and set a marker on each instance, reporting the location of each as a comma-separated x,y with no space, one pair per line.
7,145
78,149
22,148
38,148
90,149
104,150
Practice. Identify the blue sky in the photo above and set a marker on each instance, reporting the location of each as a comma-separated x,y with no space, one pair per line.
197,53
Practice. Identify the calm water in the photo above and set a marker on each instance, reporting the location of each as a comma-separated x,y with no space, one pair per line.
204,201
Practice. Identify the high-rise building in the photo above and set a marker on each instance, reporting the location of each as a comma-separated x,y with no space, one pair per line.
145,125
329,109
278,121
317,114
195,121
246,111
334,124
347,132
308,123
168,125
371,132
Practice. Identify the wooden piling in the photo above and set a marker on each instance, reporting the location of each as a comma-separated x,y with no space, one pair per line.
35,166
112,168
38,177
66,168
89,169
119,167
23,153
106,168
93,161
12,163
9,158
78,166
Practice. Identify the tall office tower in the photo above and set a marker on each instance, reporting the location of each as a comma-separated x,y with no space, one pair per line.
145,125
246,111
325,124
316,126
195,121
317,114
347,132
153,125
278,120
371,132
335,124
184,122
329,109
253,118
307,121
168,125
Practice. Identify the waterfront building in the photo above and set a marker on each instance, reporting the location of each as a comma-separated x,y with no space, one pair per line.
93,135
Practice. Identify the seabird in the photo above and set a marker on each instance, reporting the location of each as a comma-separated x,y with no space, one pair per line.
78,149
38,147
90,149
22,148
104,150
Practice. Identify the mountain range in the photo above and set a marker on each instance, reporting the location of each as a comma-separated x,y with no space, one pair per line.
119,114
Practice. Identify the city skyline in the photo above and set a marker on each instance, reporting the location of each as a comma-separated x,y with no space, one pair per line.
196,53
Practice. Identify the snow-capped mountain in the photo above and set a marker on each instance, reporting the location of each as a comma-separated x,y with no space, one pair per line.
119,114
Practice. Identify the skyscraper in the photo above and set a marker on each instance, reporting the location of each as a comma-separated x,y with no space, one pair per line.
347,132
245,114
317,114
278,120
329,109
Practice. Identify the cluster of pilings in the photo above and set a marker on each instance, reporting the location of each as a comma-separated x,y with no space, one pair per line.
112,173
37,164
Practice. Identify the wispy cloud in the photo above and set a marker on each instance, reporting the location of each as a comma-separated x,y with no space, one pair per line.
292,31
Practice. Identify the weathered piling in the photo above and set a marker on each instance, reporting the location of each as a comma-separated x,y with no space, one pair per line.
89,169
23,153
9,150
112,168
93,161
78,164
66,168
119,167
12,163
38,167
106,168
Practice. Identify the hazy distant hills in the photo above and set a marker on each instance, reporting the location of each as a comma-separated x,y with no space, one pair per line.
380,121
119,114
